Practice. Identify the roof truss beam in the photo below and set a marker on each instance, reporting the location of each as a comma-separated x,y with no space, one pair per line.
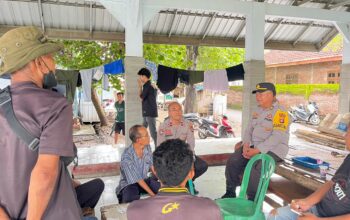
41,15
301,34
172,24
156,39
273,31
339,4
326,39
208,25
245,7
301,3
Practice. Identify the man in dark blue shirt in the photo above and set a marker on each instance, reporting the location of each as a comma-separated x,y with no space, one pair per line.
331,201
148,94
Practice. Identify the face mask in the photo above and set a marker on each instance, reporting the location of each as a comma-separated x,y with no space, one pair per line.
49,80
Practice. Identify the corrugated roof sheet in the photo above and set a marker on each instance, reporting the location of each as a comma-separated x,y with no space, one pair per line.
90,16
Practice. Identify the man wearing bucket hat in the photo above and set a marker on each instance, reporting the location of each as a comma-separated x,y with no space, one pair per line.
267,132
34,183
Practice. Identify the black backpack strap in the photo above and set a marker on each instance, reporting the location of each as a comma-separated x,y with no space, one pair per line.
6,105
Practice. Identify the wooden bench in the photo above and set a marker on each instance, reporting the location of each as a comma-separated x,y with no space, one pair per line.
114,212
305,177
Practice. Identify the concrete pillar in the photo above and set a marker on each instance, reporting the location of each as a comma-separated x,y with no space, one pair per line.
133,112
254,65
344,93
133,15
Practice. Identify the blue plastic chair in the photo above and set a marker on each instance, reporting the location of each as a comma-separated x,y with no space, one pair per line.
241,208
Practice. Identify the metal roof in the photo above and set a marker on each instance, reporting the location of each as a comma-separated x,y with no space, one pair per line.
89,20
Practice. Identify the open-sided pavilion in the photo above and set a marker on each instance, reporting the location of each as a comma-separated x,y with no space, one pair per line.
305,25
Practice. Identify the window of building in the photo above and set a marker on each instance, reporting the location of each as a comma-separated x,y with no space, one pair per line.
333,77
292,79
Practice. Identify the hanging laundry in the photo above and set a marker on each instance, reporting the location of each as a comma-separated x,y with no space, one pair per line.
191,76
153,68
116,67
105,82
167,79
216,80
184,76
69,80
196,76
235,73
98,74
86,78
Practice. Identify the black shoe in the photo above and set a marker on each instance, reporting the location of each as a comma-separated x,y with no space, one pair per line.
195,191
229,194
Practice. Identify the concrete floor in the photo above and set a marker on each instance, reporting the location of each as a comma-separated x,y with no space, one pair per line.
211,184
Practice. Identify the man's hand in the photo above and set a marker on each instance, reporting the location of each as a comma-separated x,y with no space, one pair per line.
308,216
76,183
139,82
250,152
238,145
300,205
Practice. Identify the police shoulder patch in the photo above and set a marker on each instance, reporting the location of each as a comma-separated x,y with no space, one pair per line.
280,120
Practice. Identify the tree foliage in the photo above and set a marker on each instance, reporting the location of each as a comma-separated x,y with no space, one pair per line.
209,57
89,54
219,57
335,45
167,55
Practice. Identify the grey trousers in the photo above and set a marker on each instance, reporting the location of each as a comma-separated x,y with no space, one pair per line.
235,166
151,122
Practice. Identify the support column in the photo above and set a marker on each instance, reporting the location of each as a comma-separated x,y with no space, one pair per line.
344,93
133,112
134,61
254,65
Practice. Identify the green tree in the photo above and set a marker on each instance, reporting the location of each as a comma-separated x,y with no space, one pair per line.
208,57
88,54
335,45
167,55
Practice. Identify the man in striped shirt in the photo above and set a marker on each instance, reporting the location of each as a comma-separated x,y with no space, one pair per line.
173,164
136,163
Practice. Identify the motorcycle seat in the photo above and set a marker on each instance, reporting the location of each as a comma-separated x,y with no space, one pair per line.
210,122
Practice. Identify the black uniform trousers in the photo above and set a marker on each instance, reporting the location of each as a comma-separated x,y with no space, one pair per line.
89,193
200,167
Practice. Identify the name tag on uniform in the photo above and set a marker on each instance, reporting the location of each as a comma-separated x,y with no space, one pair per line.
268,117
280,120
255,115
168,132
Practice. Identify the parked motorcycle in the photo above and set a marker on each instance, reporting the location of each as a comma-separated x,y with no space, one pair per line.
194,118
228,128
308,113
210,128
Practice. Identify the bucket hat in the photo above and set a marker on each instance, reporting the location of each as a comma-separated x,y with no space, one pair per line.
21,45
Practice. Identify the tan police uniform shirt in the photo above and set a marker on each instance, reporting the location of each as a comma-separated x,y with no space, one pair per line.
184,131
268,130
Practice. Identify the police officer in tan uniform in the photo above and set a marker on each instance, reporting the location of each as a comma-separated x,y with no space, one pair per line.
267,132
177,127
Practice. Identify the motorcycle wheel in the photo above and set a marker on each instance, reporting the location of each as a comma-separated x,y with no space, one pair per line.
201,133
315,120
225,134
